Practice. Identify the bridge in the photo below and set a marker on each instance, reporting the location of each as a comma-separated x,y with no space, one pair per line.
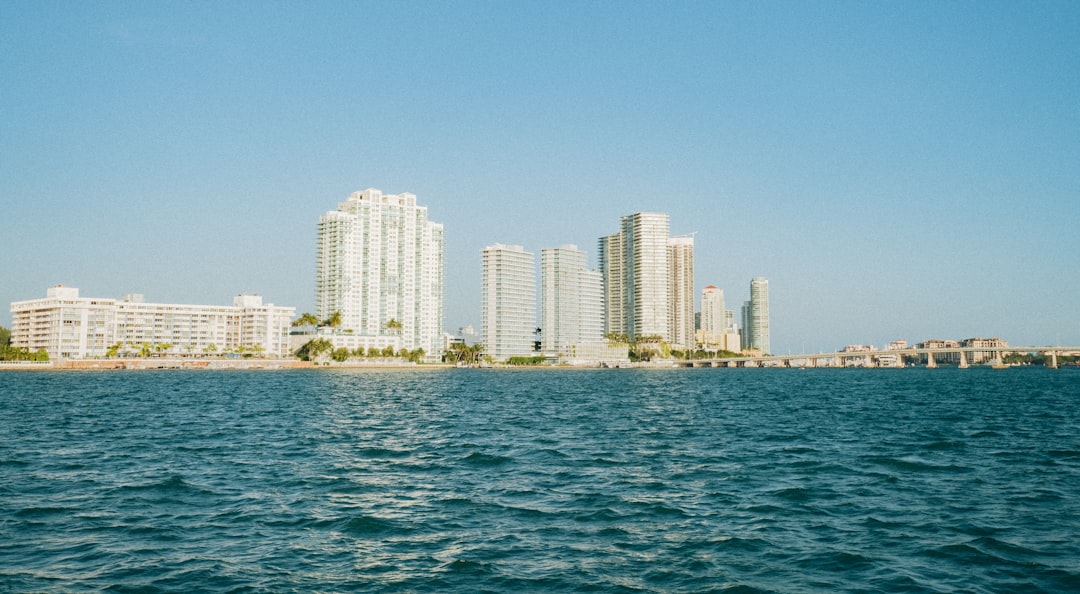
963,356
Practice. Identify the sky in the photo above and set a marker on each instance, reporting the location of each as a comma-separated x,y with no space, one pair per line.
896,170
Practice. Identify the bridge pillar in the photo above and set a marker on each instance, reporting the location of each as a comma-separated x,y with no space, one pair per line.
963,360
930,363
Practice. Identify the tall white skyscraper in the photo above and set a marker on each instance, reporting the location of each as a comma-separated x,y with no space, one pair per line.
612,269
380,263
758,314
712,311
571,300
508,301
635,267
681,291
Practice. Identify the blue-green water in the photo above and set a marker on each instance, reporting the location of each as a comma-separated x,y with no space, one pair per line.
725,480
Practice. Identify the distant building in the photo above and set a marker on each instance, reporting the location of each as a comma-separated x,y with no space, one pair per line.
634,263
725,341
380,263
571,300
71,327
744,328
717,327
983,356
946,358
648,280
756,315
508,301
681,291
712,311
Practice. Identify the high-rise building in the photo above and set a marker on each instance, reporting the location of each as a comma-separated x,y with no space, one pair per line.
571,300
712,311
612,270
67,326
380,264
717,324
508,301
744,330
636,277
681,291
758,314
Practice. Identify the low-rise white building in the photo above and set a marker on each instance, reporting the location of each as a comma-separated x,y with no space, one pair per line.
71,327
593,354
725,341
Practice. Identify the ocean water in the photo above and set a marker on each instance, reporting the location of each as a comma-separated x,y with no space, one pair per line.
693,480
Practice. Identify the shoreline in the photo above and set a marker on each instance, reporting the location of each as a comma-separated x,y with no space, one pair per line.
139,364
149,364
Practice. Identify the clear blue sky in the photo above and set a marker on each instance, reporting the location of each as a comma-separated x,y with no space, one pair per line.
895,169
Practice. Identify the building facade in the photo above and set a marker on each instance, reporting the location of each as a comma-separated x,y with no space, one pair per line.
613,278
571,300
712,310
983,356
67,326
756,315
718,329
380,264
508,301
681,291
636,277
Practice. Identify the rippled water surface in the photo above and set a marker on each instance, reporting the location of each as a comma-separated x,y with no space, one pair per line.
740,480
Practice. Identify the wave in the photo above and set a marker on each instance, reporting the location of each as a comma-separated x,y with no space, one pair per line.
481,459
910,464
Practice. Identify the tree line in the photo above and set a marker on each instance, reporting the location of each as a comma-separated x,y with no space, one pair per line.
10,353
321,349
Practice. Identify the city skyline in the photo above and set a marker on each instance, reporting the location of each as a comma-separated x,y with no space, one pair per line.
896,171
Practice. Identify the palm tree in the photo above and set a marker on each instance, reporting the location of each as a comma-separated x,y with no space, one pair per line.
394,326
306,319
334,320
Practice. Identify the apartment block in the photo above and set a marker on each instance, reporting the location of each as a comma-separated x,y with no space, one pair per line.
508,301
571,298
68,326
380,264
